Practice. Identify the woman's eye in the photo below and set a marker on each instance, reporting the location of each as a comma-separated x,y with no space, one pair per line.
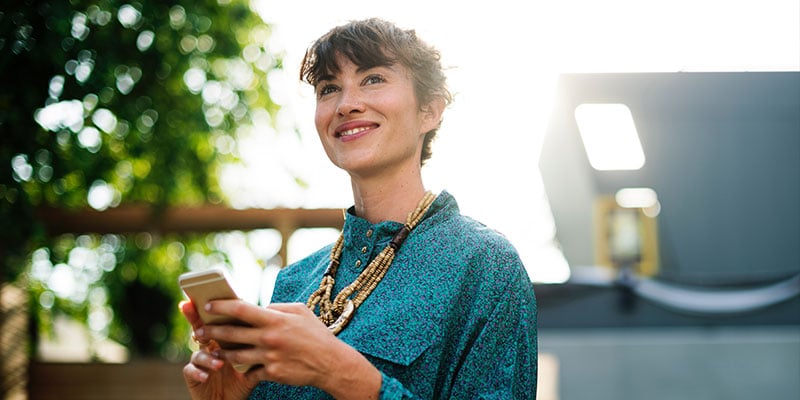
373,79
326,89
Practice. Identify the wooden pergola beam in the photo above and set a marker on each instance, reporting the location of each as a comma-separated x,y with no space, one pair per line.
142,218
135,218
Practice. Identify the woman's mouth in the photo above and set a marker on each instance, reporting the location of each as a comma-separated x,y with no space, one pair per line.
351,132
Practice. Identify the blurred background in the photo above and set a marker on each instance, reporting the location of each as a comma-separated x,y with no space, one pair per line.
643,157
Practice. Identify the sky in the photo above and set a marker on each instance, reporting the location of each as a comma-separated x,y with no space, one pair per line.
503,61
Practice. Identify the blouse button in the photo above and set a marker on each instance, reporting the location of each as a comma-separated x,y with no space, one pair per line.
363,249
358,263
369,233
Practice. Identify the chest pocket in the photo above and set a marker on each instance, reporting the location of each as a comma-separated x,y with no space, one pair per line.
406,313
392,335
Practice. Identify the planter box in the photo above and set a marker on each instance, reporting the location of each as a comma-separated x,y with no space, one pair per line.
136,380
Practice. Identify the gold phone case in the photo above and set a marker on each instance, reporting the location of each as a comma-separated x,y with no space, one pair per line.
204,286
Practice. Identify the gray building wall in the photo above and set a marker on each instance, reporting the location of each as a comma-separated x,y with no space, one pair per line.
687,363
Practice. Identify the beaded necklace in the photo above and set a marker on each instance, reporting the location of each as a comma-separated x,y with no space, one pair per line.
337,313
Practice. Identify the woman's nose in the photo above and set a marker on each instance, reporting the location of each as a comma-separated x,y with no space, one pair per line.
349,102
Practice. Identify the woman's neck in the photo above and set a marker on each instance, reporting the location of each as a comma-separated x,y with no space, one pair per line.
387,199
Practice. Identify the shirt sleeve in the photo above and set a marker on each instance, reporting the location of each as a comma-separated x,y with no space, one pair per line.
502,362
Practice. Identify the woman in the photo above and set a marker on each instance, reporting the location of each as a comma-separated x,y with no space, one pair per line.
414,300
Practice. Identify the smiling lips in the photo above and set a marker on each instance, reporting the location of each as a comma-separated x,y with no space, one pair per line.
350,130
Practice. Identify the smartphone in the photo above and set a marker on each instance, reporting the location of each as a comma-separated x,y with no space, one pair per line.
212,284
204,286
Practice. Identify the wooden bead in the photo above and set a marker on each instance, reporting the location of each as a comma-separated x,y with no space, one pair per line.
337,314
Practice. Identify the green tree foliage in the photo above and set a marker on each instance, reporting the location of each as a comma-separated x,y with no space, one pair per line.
108,102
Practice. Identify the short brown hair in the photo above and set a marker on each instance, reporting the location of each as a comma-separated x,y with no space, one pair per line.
375,42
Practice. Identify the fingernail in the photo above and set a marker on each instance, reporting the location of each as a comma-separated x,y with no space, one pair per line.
207,306
203,376
199,332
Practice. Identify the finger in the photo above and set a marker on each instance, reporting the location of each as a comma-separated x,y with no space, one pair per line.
245,360
190,312
206,361
193,375
199,366
200,341
280,312
291,308
248,314
231,336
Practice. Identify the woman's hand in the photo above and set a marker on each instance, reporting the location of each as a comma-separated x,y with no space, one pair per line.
207,376
289,345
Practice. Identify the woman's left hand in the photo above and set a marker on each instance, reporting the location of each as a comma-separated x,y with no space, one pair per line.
289,345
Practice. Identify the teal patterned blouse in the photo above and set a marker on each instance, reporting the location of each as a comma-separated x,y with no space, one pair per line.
454,317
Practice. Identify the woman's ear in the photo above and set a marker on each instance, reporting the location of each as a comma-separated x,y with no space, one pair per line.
432,114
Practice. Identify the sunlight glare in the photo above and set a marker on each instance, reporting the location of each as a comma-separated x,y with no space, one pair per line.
102,195
63,114
609,137
503,68
304,241
636,197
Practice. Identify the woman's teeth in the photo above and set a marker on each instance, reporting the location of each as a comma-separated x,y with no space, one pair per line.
353,131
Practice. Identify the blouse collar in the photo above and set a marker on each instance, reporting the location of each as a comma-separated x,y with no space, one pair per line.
357,226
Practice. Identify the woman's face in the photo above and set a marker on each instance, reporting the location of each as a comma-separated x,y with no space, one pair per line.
369,121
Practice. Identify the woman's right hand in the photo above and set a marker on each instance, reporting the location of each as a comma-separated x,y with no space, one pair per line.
207,376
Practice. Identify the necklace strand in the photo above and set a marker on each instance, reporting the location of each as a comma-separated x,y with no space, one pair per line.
337,313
